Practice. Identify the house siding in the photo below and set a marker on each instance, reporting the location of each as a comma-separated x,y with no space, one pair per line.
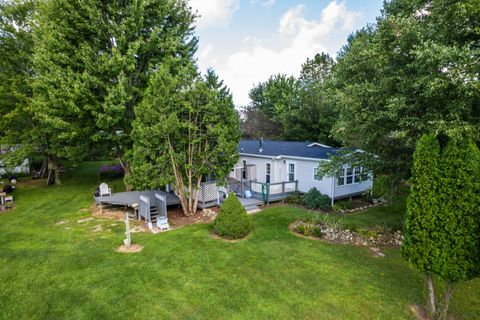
304,174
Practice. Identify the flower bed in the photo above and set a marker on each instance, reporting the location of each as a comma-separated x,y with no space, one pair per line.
333,232
111,171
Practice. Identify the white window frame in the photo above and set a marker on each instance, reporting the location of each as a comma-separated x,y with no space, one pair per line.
267,173
356,172
315,174
341,177
294,170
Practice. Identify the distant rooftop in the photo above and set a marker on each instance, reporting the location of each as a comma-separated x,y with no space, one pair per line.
303,149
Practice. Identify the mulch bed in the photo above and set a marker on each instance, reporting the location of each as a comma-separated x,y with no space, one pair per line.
176,218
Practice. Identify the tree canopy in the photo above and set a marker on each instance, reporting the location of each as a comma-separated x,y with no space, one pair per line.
411,73
185,130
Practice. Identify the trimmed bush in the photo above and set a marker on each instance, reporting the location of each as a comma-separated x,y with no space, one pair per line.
294,198
313,199
232,221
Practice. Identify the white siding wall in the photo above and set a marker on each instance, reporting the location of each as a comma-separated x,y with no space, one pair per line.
304,175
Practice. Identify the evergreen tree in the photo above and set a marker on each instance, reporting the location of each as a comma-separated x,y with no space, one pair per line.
94,61
442,226
232,220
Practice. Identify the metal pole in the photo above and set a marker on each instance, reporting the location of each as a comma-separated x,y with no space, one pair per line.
127,241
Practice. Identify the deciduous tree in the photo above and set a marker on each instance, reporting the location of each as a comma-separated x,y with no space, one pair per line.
185,129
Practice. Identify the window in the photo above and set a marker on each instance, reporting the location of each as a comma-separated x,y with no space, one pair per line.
341,177
267,172
349,176
291,172
357,172
316,175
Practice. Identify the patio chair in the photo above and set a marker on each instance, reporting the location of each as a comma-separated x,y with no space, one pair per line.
105,190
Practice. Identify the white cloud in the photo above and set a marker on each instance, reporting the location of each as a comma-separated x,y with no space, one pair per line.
298,38
214,12
268,3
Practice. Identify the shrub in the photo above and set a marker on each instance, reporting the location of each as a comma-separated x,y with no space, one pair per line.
313,199
111,171
294,198
346,204
232,221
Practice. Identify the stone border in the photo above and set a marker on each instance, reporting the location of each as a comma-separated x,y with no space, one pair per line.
379,203
340,236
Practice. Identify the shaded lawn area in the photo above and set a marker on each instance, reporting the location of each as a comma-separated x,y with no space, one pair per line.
52,271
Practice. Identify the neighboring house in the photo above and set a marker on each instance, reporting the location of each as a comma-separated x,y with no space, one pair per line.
23,168
287,166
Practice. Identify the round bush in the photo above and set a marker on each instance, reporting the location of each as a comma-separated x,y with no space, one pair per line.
313,199
232,221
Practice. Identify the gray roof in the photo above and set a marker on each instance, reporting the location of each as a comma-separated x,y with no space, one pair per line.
303,149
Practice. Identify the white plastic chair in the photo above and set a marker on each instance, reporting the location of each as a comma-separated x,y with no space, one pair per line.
105,190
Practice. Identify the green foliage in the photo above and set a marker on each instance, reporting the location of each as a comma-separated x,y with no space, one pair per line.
313,199
294,109
409,74
232,221
443,223
295,198
186,128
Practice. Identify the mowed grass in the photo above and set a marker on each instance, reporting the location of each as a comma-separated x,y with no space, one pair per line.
53,267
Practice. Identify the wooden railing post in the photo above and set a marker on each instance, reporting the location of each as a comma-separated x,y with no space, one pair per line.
283,192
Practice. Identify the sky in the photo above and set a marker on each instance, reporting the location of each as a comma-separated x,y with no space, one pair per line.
247,41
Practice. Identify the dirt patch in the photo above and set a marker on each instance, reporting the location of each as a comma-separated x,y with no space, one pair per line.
421,312
177,219
132,249
59,223
97,228
217,237
85,220
109,214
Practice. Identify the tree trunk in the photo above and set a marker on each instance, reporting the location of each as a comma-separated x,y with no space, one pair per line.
448,295
53,176
126,171
431,297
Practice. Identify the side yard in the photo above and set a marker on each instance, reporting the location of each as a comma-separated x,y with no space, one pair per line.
55,262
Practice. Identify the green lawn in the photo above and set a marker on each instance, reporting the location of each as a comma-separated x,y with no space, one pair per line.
67,271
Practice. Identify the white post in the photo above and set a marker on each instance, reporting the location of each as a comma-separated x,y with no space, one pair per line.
127,241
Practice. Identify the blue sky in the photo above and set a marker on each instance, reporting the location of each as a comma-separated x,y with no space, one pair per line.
246,41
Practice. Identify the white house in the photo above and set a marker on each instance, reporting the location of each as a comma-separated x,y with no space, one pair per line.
22,168
292,165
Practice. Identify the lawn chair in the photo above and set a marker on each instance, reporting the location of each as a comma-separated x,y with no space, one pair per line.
105,190
161,214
